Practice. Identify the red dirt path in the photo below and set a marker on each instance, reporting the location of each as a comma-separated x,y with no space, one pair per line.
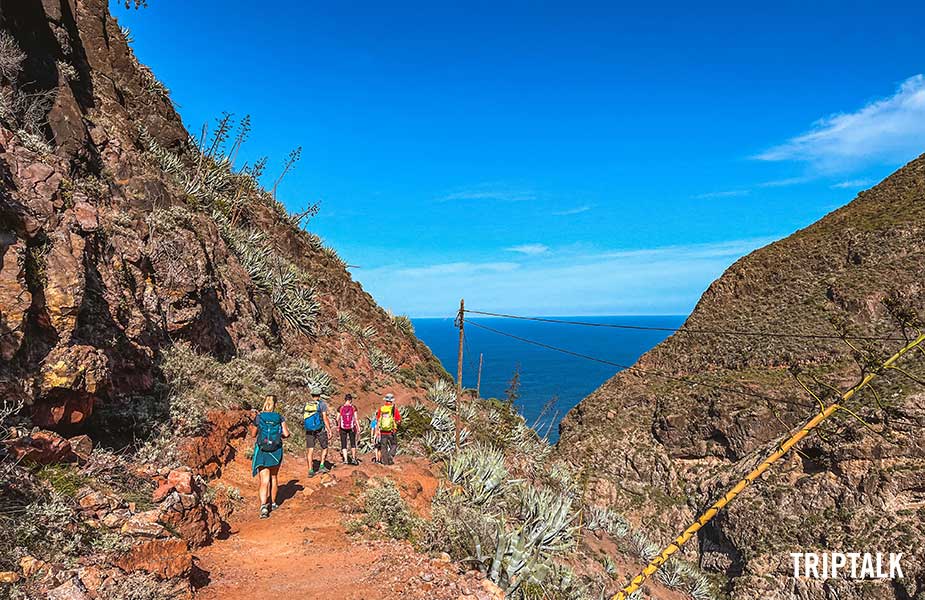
303,551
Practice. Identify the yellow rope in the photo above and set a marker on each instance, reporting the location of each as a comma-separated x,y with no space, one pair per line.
705,518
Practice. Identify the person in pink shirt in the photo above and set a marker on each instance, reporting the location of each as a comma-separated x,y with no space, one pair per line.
349,427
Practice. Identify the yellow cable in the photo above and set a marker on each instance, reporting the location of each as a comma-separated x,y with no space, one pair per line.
705,518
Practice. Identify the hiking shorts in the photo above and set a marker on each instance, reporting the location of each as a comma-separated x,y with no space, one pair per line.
320,436
348,434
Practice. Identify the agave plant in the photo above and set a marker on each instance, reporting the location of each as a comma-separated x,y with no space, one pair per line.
404,324
467,411
645,548
290,289
601,518
334,256
438,443
307,374
548,517
479,470
670,574
346,320
523,553
560,474
442,420
442,393
610,567
381,361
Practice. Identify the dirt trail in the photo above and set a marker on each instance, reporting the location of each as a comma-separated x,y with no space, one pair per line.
304,549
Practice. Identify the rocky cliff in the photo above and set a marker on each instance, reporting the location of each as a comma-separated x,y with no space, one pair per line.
663,449
120,237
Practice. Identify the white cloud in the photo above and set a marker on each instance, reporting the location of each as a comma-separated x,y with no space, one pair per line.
489,192
457,268
888,130
853,183
785,182
572,211
529,249
664,280
725,194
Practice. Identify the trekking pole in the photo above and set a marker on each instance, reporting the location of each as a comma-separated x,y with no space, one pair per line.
707,516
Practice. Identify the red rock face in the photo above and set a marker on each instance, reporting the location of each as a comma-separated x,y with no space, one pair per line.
212,451
165,559
105,260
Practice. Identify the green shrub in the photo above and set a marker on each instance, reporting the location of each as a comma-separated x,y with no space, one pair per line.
383,503
415,423
457,527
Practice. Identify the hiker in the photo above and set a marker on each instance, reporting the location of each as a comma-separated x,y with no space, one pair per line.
374,439
387,420
268,453
317,425
349,429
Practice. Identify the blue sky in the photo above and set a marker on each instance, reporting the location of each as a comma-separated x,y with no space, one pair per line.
557,158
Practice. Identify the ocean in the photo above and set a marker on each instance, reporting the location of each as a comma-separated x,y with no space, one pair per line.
544,373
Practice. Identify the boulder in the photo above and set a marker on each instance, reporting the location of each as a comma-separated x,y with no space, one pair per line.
161,492
165,559
490,591
9,576
71,589
31,566
41,448
181,480
86,216
91,500
207,454
195,522
15,297
82,446
145,524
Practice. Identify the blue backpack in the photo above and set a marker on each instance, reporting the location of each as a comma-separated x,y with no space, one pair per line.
269,432
311,416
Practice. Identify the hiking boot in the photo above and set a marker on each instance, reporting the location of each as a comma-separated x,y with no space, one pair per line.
274,506
325,468
264,511
312,472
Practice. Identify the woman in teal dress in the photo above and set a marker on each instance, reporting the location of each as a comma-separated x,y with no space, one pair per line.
268,453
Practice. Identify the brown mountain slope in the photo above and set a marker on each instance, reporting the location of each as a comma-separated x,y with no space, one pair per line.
661,450
118,238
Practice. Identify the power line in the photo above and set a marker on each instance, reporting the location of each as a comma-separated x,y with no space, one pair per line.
639,369
682,329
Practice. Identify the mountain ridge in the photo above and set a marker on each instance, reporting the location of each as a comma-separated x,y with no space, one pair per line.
666,448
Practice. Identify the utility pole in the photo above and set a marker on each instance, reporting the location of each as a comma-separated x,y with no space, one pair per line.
461,323
478,382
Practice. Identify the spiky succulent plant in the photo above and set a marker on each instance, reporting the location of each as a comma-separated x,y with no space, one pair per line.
479,471
307,374
381,361
442,393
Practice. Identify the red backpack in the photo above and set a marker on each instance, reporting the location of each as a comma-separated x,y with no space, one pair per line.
347,415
